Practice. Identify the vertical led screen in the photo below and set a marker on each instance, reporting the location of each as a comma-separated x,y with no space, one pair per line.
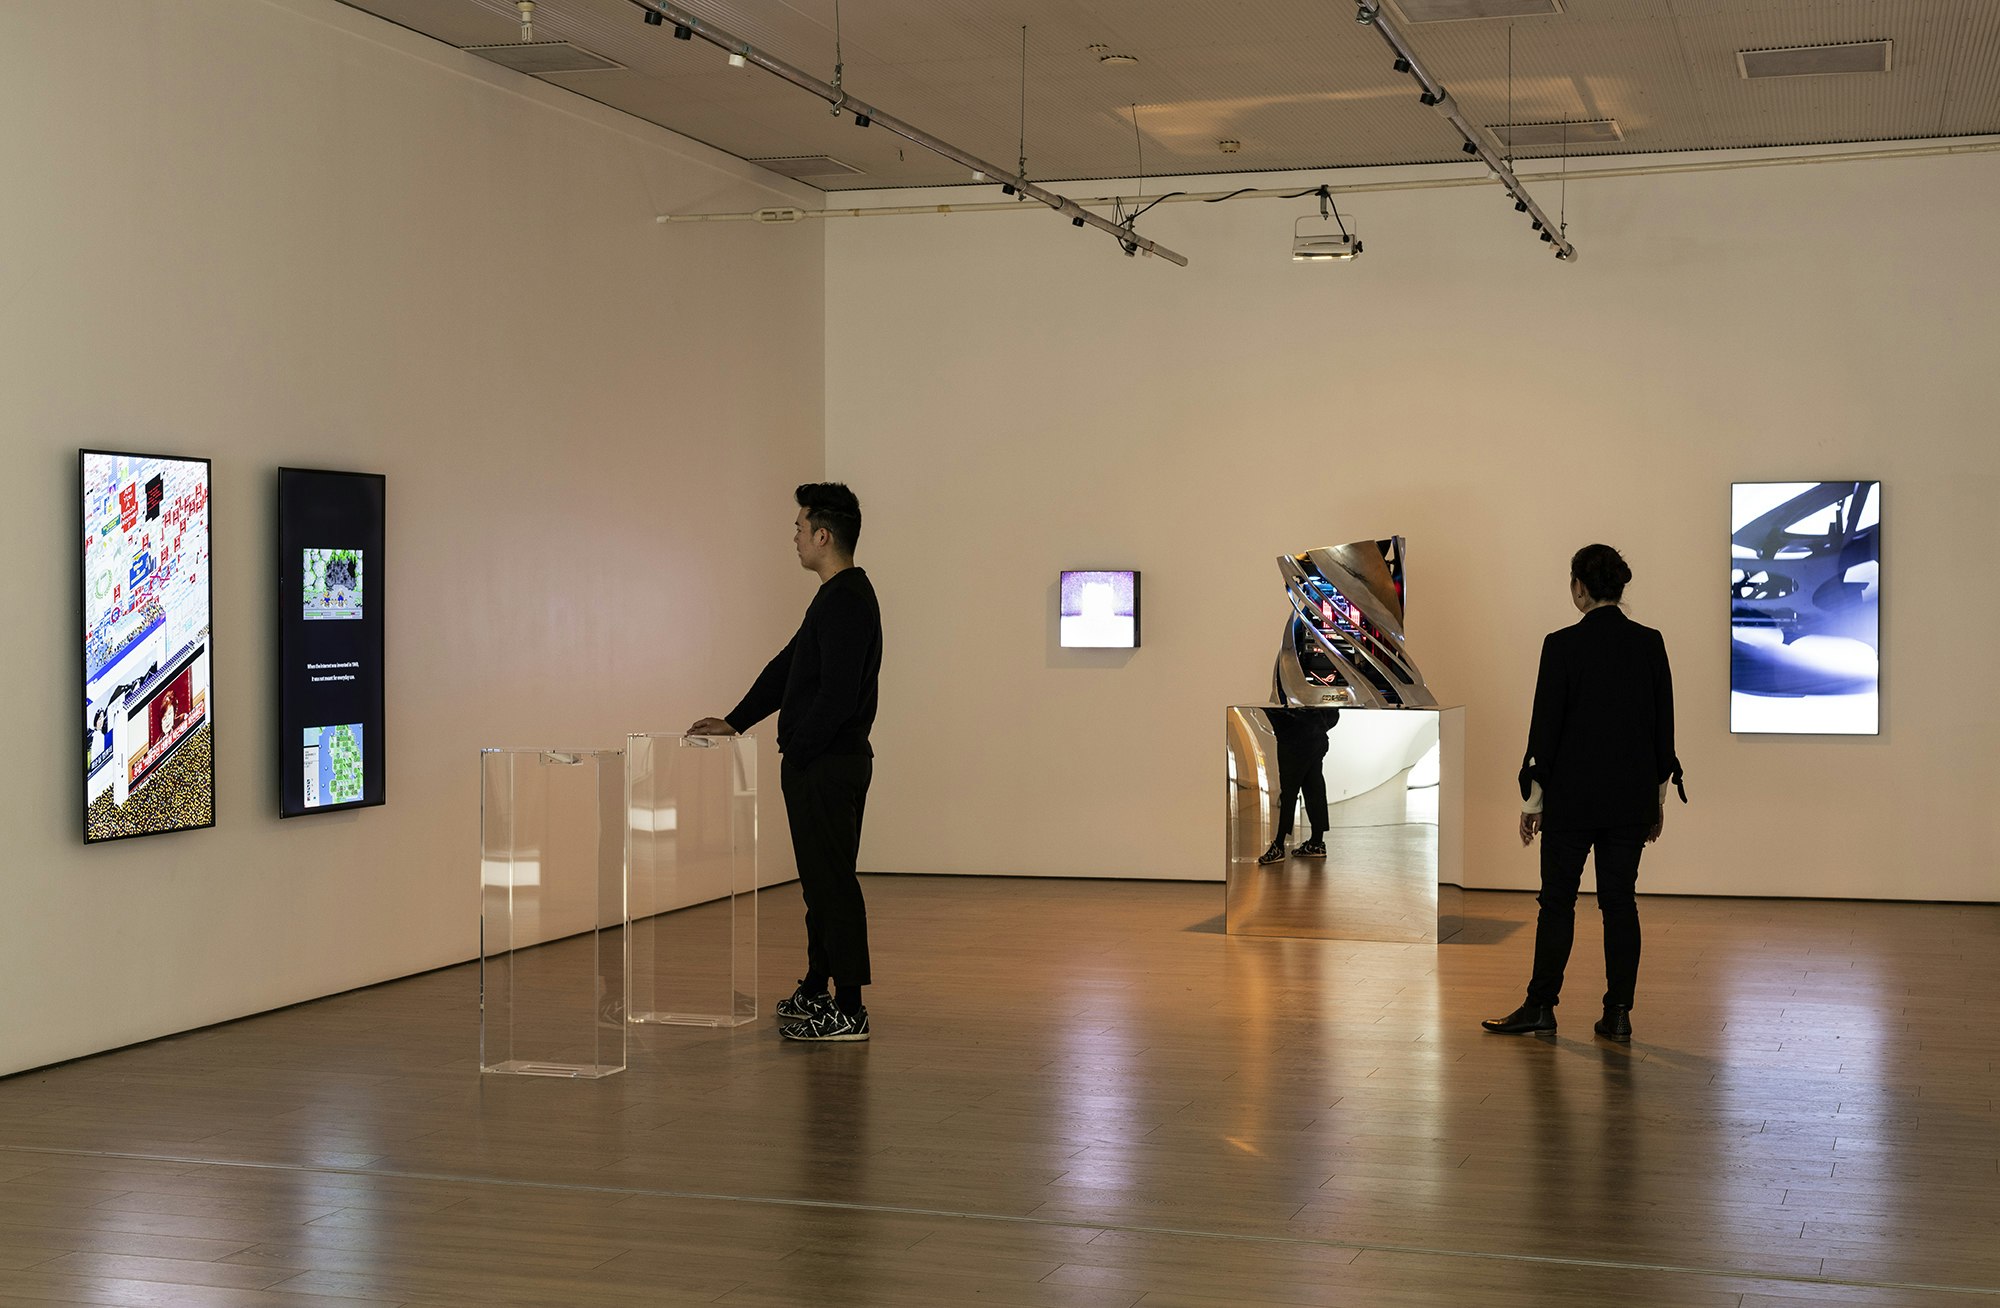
1100,610
330,569
148,726
1804,607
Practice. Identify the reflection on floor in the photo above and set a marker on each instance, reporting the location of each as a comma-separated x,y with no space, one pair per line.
1076,1098
1378,880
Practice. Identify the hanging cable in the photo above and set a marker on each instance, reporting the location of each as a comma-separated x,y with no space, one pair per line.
1140,142
838,66
1021,167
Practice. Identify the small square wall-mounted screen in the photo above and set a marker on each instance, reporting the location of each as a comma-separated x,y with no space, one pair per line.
1100,610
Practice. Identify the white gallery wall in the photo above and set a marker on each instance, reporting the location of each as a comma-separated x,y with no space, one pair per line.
1012,397
280,232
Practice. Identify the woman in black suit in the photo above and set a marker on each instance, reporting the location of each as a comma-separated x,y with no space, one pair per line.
1600,757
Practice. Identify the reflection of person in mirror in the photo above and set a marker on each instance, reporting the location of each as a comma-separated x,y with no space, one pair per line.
1302,744
1600,758
823,688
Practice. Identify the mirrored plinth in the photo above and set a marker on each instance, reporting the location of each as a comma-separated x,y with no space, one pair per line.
691,868
1393,784
552,940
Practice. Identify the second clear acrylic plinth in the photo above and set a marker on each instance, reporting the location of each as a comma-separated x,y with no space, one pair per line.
691,878
552,941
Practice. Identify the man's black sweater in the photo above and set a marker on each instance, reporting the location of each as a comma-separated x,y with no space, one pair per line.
823,684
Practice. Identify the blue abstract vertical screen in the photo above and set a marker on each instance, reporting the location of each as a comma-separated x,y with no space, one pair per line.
1804,610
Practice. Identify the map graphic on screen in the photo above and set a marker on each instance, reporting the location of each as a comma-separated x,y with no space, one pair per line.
333,765
148,763
332,584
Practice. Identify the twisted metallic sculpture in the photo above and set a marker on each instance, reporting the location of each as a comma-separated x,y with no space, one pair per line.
1344,641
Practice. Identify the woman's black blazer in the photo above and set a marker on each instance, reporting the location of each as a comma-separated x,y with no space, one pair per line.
1602,737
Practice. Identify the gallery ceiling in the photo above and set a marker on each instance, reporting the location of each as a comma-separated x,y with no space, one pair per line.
1294,84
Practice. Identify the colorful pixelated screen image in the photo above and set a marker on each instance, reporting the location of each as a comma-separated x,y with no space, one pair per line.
147,701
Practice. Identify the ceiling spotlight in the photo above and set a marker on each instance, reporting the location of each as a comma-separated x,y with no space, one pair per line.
1076,222
1545,236
862,120
1328,239
683,33
1520,206
1469,148
1562,254
1230,146
1538,224
1117,59
1006,188
1401,65
654,18
736,59
1428,98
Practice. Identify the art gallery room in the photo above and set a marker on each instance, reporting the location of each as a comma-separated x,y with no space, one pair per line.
1279,432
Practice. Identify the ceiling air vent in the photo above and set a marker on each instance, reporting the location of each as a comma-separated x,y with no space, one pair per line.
1446,11
540,58
1554,136
802,166
1815,60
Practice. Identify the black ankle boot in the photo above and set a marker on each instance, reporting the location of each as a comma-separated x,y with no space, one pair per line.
1616,1024
1525,1020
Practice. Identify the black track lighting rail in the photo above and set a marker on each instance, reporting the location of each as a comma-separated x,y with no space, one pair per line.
687,26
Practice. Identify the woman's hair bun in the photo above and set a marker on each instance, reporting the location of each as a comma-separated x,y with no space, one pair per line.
1602,570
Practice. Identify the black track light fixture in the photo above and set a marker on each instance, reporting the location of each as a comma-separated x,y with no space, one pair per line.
1401,65
654,18
1538,224
1006,188
1520,206
1076,222
862,120
1469,148
1550,239
1429,97
683,33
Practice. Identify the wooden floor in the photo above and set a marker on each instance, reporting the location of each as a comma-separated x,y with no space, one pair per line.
1079,1094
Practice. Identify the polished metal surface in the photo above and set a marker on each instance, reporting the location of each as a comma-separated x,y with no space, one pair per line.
1343,644
1395,788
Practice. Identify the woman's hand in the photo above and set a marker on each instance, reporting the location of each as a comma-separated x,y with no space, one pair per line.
1531,823
1659,825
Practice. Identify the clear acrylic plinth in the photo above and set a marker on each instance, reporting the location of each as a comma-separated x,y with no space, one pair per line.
552,940
691,878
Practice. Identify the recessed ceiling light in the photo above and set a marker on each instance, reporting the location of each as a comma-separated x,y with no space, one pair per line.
1230,147
1117,59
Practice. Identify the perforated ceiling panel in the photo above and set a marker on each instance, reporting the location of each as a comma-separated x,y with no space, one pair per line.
1297,82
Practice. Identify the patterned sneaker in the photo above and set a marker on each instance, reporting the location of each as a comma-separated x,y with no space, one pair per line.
802,1003
827,1023
1311,849
1275,854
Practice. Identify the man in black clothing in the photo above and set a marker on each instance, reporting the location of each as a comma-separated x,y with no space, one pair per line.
1302,745
823,688
1599,761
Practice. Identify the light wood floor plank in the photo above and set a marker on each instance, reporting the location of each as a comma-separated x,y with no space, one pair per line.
1080,1095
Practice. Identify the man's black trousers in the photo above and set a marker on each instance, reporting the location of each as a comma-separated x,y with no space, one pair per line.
1563,853
1302,772
823,800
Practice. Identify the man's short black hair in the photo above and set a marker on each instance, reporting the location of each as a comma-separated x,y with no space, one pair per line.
830,505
